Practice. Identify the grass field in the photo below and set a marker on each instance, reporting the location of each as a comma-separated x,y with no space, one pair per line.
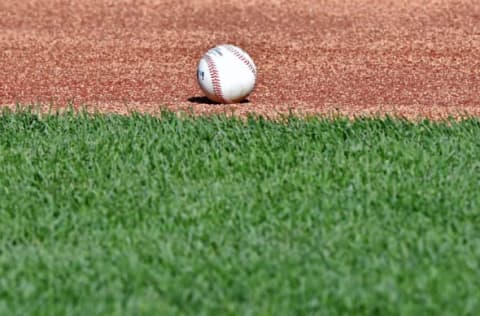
114,215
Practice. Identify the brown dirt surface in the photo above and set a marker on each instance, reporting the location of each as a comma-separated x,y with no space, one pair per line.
418,58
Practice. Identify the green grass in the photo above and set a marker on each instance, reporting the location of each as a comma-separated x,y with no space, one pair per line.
112,215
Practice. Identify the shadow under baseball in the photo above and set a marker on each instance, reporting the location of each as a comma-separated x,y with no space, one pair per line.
205,100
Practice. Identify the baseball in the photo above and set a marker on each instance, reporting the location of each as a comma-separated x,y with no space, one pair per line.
226,74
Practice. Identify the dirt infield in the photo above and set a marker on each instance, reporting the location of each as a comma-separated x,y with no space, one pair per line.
411,58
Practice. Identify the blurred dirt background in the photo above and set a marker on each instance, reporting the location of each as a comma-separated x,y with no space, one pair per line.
410,58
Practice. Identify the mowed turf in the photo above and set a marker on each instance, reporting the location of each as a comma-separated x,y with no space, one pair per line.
114,215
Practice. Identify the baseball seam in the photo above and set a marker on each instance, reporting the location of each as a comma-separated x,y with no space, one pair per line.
215,78
240,56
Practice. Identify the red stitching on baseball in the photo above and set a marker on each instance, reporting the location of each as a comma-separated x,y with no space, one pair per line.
214,76
240,56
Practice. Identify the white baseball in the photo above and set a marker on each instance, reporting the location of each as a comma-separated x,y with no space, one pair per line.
226,74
